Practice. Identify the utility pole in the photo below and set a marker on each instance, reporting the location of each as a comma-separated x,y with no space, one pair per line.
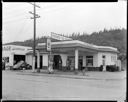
34,42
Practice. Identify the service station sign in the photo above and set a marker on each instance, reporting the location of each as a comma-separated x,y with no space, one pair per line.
10,48
59,37
48,44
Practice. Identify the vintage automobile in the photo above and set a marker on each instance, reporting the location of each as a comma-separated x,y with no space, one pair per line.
21,65
26,66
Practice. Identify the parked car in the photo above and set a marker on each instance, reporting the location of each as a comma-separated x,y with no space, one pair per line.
20,65
26,66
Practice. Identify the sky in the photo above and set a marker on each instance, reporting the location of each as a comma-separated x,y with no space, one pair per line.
62,18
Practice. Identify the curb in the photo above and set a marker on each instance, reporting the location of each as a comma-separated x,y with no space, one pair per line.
66,76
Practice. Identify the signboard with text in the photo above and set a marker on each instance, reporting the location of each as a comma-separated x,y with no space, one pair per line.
7,48
10,48
59,37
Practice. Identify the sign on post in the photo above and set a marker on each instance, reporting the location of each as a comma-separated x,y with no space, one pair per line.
59,37
48,44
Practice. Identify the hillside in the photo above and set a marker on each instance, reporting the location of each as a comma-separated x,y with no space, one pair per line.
113,37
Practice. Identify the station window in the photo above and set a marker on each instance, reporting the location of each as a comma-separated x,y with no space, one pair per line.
89,60
113,58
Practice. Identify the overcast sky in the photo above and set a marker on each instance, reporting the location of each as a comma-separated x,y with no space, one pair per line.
63,18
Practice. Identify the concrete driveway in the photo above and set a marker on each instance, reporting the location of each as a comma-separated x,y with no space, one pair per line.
17,85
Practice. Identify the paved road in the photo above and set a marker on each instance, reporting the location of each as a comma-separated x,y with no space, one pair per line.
28,87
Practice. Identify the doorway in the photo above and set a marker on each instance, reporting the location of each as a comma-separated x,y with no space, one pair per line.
18,58
80,64
57,62
35,62
41,62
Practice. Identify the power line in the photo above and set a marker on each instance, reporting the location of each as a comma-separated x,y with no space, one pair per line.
10,12
23,27
48,9
16,20
15,8
14,15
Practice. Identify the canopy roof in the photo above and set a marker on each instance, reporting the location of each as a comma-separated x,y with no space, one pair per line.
77,44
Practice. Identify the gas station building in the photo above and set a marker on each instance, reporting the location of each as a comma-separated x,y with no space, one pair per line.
80,54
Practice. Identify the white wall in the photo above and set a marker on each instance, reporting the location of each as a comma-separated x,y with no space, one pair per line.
95,60
64,59
84,61
11,59
108,60
10,55
6,53
28,59
11,50
20,50
45,59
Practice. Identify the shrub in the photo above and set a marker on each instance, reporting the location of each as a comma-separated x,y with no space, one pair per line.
101,68
112,68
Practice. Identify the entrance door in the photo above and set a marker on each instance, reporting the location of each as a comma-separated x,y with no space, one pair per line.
40,61
103,62
80,64
57,59
35,62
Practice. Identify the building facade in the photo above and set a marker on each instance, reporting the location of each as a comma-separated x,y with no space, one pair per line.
75,54
13,53
79,54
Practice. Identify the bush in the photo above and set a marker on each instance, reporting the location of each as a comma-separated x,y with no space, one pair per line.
101,68
112,68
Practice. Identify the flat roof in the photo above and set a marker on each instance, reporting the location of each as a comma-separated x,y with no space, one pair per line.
17,46
77,43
